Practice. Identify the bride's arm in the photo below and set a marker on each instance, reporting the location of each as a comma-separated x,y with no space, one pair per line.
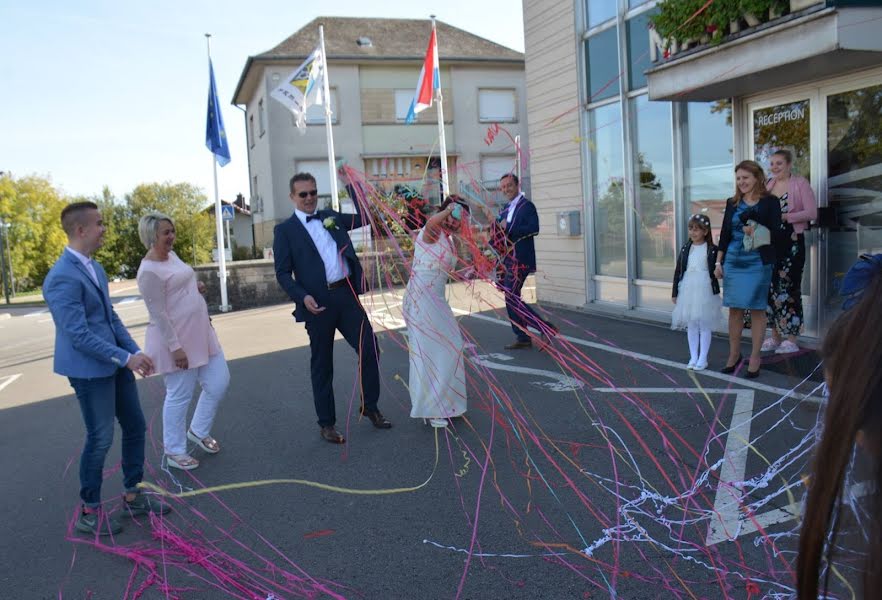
432,228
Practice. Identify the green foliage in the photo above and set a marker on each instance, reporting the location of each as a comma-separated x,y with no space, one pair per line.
677,20
32,207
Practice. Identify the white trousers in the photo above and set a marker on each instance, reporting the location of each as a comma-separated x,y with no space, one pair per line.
213,378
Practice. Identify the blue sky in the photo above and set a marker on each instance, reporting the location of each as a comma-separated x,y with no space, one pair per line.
114,93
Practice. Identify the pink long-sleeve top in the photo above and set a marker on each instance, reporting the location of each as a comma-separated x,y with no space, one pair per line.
802,206
178,314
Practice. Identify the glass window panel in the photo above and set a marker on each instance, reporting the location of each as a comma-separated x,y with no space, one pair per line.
654,204
605,146
603,65
496,106
494,167
633,3
638,48
854,182
708,160
315,114
403,98
600,11
784,126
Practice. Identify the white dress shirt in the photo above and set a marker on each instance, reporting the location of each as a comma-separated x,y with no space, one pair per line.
335,265
87,262
511,208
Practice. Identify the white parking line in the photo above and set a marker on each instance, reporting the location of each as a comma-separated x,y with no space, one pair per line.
4,381
37,313
739,381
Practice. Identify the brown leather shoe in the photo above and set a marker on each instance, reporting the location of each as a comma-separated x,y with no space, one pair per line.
330,434
378,420
519,345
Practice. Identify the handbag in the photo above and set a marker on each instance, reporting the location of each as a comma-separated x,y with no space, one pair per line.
761,237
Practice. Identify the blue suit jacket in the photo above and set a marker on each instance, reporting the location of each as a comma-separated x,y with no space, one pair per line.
523,228
295,254
90,339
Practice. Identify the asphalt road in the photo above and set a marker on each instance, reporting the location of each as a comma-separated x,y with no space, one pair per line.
589,470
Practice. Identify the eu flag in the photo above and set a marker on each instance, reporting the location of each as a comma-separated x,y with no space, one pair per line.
215,134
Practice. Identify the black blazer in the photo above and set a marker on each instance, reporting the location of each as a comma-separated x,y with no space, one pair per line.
683,262
519,233
766,212
299,267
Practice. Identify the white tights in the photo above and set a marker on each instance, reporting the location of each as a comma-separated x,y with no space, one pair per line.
699,343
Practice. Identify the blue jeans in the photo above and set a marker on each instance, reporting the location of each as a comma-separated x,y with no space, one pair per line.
102,399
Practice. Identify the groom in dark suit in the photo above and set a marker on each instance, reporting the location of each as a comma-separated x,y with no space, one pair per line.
317,266
517,225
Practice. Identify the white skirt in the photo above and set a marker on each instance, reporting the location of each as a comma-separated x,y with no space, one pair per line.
696,303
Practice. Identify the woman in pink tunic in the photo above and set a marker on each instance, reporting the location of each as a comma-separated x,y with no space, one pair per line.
181,342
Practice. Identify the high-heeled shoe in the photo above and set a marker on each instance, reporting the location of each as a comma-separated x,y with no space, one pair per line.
752,374
731,368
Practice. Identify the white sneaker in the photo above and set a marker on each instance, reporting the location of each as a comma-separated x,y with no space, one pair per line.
439,423
787,347
769,344
691,364
701,366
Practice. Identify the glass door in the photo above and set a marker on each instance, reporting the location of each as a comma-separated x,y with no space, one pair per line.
854,184
786,124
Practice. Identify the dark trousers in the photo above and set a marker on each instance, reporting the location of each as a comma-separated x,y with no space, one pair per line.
101,399
520,313
344,313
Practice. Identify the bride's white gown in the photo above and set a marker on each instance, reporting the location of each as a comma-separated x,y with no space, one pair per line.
437,374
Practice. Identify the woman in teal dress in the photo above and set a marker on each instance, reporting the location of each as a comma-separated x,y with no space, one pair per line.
747,275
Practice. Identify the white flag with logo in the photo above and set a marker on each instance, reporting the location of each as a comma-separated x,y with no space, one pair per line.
303,88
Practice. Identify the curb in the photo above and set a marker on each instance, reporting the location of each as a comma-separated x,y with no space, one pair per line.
4,316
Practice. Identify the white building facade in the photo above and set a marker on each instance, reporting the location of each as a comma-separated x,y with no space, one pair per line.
374,65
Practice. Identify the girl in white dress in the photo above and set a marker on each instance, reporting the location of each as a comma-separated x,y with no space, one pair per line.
696,292
437,372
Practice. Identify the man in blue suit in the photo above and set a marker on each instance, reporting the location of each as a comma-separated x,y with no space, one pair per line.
317,266
517,225
99,358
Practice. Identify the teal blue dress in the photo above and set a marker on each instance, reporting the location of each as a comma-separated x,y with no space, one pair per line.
746,279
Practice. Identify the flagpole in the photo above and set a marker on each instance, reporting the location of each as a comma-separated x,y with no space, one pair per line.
439,98
218,215
332,160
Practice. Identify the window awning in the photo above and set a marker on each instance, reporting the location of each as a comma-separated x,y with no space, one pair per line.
806,47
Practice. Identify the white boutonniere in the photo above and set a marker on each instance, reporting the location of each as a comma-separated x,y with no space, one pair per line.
330,223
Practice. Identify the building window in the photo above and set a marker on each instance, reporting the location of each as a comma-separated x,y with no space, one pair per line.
494,167
708,160
403,99
608,191
600,11
251,136
638,48
315,114
256,202
260,117
635,3
497,106
654,203
319,170
601,58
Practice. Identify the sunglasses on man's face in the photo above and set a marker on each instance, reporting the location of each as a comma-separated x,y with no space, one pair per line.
312,193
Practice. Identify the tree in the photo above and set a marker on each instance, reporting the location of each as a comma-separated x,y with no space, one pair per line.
182,202
117,252
32,208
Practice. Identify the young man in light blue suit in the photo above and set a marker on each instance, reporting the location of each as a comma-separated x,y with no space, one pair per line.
95,352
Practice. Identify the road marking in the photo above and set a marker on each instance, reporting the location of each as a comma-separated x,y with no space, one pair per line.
664,362
37,313
727,514
127,301
559,382
4,381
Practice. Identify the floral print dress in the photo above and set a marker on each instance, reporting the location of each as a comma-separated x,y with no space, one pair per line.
785,295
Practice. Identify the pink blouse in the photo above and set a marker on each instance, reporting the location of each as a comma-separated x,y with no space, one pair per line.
178,314
803,209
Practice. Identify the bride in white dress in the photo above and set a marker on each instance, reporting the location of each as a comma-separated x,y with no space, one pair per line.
437,373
